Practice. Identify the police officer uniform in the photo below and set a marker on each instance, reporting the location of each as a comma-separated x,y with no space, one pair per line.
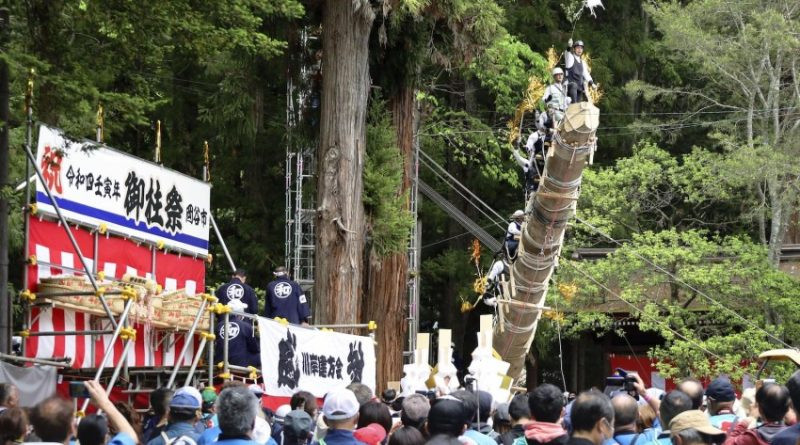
244,348
285,299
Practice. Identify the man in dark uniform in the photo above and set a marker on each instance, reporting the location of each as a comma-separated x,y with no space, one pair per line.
244,348
285,299
236,289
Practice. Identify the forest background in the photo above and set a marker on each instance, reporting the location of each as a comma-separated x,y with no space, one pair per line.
696,179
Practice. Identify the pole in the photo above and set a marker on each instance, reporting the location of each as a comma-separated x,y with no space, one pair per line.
222,242
110,347
189,338
5,298
71,237
225,344
26,321
197,357
212,327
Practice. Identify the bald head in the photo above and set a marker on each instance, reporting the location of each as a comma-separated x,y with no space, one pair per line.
626,410
693,389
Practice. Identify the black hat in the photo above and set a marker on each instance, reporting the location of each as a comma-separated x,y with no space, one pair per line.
447,416
721,390
93,430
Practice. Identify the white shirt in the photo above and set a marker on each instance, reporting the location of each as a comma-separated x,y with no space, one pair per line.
555,95
496,270
524,163
512,229
570,60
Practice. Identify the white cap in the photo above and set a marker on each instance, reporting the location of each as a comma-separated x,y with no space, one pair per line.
518,214
261,431
256,389
237,305
191,391
557,70
281,412
340,404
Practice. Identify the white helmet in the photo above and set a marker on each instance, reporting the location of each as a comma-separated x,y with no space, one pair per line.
557,70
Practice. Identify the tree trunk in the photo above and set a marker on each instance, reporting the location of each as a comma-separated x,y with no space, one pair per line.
777,222
340,213
387,281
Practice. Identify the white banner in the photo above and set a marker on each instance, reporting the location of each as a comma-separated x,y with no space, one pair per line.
95,184
295,358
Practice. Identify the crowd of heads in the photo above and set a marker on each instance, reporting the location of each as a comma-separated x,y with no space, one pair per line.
688,415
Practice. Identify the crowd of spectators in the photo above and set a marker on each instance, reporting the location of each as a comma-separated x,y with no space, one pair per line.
691,414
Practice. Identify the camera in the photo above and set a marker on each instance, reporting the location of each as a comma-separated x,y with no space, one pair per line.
622,381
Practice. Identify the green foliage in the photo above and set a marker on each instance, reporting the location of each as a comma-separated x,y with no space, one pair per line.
504,69
390,219
703,336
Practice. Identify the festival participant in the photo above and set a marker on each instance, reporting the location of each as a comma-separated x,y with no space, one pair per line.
674,403
693,428
13,426
447,420
184,412
513,234
592,419
556,100
520,415
407,435
237,410
9,396
694,389
577,72
415,409
363,392
375,412
791,435
470,405
157,421
772,403
626,413
546,406
285,299
244,348
53,419
340,412
237,289
721,397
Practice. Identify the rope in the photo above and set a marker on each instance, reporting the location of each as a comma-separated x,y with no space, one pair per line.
641,313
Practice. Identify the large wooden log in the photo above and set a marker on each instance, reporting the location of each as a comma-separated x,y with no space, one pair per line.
547,213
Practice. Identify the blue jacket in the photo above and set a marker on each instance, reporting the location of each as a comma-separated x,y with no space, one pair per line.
244,349
287,300
175,430
338,437
236,290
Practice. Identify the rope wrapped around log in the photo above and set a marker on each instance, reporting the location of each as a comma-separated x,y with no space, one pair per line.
547,213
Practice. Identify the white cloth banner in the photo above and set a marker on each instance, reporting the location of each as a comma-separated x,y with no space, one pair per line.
35,383
95,184
295,358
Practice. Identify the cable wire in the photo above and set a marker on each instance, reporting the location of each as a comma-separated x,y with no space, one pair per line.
640,312
678,280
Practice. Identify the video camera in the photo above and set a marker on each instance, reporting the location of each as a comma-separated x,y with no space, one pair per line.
623,381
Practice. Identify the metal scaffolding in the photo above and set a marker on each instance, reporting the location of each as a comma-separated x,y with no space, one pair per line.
300,167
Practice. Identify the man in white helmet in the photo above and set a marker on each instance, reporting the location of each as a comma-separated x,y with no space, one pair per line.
555,99
514,233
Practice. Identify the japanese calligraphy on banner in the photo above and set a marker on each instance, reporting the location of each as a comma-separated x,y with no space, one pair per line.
295,358
95,184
